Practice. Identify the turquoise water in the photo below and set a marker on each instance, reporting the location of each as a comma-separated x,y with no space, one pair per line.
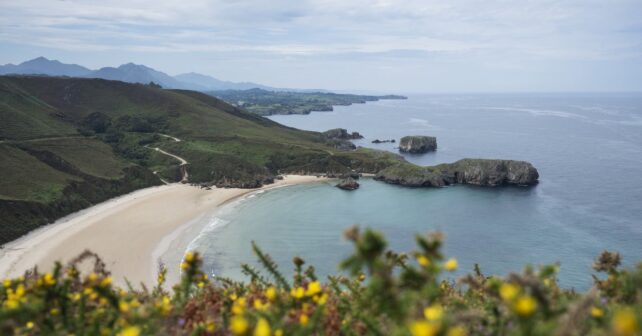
587,148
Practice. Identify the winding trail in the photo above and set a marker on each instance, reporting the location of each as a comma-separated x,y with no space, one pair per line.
183,165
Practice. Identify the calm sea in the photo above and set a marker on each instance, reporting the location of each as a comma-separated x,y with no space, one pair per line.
587,148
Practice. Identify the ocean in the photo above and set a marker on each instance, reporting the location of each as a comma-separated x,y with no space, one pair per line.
586,147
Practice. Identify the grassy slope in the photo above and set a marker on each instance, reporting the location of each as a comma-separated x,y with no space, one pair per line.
67,143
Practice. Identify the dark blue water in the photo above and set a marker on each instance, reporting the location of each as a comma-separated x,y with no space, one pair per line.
587,148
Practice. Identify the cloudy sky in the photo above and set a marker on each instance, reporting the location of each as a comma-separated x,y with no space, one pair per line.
379,45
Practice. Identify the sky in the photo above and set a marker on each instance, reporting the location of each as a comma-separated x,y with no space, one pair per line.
351,45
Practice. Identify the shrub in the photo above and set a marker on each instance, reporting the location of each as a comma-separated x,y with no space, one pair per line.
381,293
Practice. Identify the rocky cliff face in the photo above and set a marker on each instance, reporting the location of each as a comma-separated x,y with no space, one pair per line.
492,172
341,133
417,144
480,172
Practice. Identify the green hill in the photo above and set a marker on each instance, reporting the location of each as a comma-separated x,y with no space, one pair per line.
68,143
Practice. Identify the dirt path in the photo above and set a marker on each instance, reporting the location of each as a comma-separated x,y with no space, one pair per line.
171,137
183,165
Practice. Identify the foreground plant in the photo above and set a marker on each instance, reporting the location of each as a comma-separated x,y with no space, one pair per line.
381,293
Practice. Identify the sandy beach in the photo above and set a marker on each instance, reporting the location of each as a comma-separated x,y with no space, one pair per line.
133,233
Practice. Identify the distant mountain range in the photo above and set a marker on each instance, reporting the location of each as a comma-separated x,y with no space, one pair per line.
131,73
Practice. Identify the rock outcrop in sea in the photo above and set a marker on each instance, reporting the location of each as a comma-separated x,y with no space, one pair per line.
348,184
417,144
482,172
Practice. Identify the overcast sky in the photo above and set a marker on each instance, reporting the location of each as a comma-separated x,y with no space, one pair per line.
381,45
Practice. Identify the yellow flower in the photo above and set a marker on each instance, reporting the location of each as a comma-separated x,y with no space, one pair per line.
14,298
262,328
92,277
184,266
423,260
11,304
6,283
597,312
106,281
314,288
238,325
278,332
259,305
321,299
525,305
238,307
456,331
362,277
297,292
625,323
451,264
434,312
189,257
49,279
304,320
508,291
123,306
164,306
29,325
54,311
130,331
210,327
20,291
423,328
271,293
201,284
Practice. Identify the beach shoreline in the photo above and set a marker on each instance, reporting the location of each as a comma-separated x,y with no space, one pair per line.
132,233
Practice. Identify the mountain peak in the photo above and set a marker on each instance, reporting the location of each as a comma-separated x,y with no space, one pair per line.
39,60
130,66
44,66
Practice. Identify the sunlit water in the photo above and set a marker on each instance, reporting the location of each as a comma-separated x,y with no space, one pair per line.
587,148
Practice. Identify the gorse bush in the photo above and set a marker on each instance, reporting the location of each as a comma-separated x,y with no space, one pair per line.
381,293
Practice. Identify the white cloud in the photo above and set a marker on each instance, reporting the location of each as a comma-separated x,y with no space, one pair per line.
495,33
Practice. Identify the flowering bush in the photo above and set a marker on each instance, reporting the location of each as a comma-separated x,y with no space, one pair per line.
382,293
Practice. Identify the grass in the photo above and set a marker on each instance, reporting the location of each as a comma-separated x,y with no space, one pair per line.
26,117
89,156
28,179
382,292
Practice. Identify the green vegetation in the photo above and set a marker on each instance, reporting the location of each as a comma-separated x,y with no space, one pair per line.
68,143
381,293
263,102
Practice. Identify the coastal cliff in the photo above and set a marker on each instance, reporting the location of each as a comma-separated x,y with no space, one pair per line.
482,172
417,144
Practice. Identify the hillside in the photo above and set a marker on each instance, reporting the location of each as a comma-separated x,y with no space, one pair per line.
264,102
68,143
